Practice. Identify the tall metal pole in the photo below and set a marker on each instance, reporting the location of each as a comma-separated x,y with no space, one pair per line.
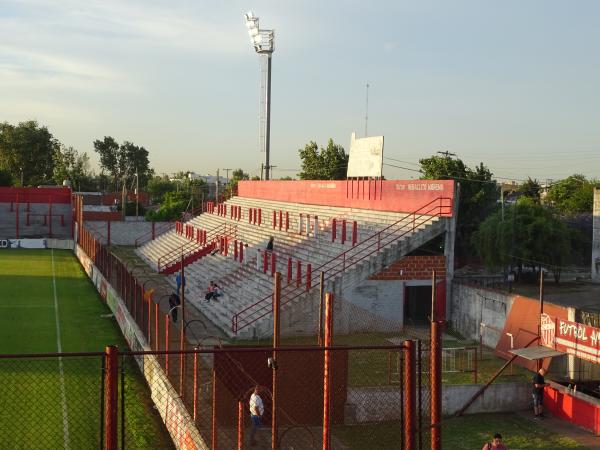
367,113
327,378
276,336
539,365
268,130
182,331
217,190
436,373
321,299
137,193
410,397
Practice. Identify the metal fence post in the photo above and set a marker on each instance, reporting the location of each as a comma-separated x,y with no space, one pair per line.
435,372
409,394
240,426
276,335
195,396
327,369
167,344
214,428
111,389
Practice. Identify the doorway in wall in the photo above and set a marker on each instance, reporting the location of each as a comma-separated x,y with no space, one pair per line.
417,305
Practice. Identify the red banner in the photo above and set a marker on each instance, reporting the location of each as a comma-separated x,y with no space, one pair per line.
574,338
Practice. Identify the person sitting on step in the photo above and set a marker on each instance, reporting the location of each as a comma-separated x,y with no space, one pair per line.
213,292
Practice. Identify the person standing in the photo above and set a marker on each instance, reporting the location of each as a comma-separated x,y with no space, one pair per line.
270,244
538,393
496,444
174,303
179,279
256,411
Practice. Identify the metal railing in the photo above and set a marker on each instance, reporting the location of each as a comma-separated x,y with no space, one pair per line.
163,228
188,248
152,234
332,268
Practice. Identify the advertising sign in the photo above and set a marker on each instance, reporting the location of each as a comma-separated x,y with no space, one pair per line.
573,338
366,157
23,243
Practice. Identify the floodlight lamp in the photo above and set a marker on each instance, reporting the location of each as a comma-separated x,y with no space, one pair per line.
253,32
249,15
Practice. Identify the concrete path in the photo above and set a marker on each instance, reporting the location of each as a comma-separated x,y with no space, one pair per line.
552,423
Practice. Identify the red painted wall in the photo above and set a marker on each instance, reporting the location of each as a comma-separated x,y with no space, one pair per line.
523,322
572,409
35,195
388,195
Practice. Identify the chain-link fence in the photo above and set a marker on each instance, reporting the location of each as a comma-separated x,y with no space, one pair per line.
202,389
366,410
51,402
77,401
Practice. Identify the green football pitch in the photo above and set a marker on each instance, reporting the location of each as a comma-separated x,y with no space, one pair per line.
48,305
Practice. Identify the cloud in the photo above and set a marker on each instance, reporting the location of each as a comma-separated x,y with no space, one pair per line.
137,22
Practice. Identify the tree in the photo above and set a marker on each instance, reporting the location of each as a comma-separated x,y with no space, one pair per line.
123,161
478,194
71,165
159,186
236,176
329,163
574,194
6,178
531,189
529,235
26,152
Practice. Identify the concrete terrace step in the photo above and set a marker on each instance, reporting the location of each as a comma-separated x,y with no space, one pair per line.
243,285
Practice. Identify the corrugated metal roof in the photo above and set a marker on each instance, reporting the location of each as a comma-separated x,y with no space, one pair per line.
535,353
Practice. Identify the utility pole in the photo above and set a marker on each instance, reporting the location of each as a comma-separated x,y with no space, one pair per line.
447,154
123,198
367,112
217,190
502,199
137,193
262,168
271,170
227,174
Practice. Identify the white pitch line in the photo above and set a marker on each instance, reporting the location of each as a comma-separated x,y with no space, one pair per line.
63,395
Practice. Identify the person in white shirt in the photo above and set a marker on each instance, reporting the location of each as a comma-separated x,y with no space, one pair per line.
256,411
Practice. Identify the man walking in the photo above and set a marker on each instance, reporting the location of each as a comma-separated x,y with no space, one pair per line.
538,393
256,411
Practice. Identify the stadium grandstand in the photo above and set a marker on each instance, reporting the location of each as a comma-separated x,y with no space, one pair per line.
348,231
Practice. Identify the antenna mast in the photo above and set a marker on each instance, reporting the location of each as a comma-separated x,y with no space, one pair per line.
367,112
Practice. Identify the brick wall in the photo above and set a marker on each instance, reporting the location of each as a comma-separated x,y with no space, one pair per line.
414,268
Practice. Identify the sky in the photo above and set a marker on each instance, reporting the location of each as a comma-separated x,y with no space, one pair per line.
512,83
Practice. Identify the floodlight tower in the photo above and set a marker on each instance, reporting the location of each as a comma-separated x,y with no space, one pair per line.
264,44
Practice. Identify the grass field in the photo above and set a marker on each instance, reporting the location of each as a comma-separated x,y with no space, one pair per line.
370,367
465,433
47,305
